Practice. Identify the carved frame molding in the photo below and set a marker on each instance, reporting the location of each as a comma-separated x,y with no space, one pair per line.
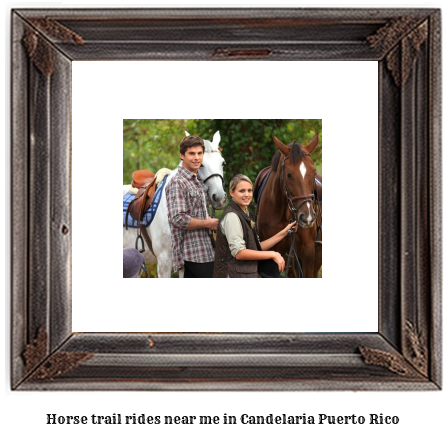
405,354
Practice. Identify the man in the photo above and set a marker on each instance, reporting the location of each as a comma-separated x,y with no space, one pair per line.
189,220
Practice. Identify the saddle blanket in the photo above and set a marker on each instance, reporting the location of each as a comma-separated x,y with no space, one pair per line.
150,214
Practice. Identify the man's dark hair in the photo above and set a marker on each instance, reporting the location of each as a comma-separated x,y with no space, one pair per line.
189,142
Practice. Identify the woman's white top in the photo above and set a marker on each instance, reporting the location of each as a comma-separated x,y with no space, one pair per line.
231,227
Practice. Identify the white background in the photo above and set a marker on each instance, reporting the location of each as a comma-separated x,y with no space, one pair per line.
22,413
344,95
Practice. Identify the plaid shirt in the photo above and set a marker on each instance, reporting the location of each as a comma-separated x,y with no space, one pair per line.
187,198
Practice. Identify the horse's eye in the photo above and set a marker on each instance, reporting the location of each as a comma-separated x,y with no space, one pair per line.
289,175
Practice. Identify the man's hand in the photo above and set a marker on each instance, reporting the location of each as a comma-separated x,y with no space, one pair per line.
212,223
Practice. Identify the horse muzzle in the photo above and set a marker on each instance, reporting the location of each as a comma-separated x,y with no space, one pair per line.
218,204
306,220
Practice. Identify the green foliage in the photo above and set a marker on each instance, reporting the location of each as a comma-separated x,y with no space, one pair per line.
247,144
150,144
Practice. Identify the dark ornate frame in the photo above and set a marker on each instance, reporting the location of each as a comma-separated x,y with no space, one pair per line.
405,354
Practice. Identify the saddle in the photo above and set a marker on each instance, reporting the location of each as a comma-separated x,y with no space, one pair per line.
258,183
145,182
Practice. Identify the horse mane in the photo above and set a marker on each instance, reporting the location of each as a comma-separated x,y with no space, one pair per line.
296,153
275,161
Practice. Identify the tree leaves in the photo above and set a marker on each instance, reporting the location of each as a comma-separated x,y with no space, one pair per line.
150,144
246,144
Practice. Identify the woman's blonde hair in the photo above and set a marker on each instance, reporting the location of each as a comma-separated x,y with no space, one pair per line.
237,179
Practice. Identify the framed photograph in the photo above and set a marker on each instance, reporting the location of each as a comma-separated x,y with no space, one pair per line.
151,146
52,350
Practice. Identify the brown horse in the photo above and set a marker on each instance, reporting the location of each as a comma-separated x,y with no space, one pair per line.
289,194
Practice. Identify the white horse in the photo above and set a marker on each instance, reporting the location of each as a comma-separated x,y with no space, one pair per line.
159,230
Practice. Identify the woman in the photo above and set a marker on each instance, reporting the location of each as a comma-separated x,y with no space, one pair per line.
238,248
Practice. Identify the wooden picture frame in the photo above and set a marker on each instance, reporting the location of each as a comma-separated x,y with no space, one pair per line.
405,353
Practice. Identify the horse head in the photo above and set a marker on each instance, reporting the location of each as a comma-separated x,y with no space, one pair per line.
211,172
297,173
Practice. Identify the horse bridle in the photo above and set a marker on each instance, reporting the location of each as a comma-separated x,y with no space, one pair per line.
213,211
290,198
215,174
294,212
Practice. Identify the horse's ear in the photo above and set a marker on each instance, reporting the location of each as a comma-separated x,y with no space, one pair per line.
312,145
281,146
187,133
216,138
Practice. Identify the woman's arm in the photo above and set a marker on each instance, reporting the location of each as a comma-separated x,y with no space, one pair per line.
267,244
250,254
